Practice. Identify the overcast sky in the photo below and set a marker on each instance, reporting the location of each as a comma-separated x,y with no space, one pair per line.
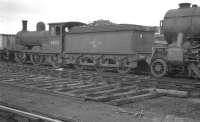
142,12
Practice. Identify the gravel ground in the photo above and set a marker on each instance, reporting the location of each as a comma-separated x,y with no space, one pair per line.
167,107
163,109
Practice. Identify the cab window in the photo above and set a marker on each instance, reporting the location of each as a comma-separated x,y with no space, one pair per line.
66,29
57,30
52,31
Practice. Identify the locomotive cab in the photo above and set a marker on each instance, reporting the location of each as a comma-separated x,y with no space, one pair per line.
55,30
58,31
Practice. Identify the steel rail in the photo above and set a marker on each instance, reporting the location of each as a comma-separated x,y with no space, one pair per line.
28,114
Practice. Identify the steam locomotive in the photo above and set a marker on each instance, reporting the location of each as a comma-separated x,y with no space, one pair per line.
120,47
102,47
181,29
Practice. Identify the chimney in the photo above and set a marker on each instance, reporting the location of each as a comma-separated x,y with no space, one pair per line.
24,25
184,5
194,5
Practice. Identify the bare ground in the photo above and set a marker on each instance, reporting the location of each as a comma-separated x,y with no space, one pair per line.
168,108
162,109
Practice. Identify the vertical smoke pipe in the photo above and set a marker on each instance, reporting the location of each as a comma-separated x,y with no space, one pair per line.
180,39
24,25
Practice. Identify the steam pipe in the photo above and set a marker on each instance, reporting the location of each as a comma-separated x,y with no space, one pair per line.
180,39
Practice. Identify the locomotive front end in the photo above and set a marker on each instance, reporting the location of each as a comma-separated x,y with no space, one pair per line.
181,29
29,39
37,47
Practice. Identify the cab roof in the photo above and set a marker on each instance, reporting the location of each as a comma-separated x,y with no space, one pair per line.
68,24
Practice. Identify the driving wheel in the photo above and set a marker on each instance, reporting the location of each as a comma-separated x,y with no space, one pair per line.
159,68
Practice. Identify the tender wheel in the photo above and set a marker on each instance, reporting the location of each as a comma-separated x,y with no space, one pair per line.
36,59
159,68
98,66
55,61
78,65
100,69
194,71
123,68
5,55
20,57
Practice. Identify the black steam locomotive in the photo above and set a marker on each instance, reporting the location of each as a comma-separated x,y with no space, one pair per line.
181,29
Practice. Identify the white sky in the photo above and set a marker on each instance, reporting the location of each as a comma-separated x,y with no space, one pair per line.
142,12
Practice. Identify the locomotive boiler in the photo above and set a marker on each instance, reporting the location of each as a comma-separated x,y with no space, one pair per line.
181,29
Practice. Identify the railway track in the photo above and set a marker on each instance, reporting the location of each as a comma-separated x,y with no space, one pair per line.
111,88
11,114
101,91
